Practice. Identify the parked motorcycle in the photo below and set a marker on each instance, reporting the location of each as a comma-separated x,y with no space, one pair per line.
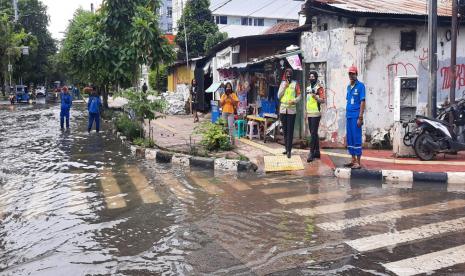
437,135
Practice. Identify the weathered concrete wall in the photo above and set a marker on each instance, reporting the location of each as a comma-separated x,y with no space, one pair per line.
376,52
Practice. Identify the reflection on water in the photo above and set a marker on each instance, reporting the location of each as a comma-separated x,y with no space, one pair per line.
77,203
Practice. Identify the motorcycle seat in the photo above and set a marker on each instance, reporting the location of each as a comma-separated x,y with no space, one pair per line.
436,120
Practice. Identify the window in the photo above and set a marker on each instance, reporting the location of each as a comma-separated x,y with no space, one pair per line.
169,28
259,22
169,12
408,41
221,19
246,21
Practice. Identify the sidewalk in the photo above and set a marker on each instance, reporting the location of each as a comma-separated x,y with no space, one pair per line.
176,133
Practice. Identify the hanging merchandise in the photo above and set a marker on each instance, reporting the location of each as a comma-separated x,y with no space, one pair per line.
295,62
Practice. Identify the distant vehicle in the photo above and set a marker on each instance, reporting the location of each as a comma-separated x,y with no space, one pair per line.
41,91
22,95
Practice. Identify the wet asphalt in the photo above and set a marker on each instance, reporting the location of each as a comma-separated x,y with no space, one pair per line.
74,203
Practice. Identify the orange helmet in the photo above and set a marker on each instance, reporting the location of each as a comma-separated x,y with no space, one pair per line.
353,69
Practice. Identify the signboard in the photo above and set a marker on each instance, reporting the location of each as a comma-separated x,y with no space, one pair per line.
25,50
295,62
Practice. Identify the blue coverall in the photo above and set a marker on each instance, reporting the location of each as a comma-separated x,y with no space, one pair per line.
93,106
66,103
355,96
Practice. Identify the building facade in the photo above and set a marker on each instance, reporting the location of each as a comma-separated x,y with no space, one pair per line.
387,43
166,16
237,19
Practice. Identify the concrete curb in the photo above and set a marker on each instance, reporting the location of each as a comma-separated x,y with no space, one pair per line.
401,175
160,156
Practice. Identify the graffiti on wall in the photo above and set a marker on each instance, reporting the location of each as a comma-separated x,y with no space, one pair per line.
446,77
394,70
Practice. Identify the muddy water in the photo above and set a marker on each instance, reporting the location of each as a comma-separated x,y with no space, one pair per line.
76,203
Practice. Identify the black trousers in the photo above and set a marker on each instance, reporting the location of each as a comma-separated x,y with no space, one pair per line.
288,120
313,125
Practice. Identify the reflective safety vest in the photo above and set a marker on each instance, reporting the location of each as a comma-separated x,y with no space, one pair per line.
289,95
312,104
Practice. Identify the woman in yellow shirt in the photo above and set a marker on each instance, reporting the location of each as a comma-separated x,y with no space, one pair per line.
228,103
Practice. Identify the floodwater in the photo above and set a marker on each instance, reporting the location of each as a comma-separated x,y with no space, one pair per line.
74,203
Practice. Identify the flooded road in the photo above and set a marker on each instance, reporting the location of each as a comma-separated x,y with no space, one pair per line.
73,203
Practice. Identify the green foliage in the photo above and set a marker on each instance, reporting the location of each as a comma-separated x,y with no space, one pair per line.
144,142
214,136
158,78
144,105
108,48
30,30
129,128
213,39
197,18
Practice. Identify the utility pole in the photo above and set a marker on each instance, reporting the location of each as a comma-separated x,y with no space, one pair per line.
432,56
453,53
185,32
15,7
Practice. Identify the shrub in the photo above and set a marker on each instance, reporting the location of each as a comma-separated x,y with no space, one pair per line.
144,142
214,136
131,129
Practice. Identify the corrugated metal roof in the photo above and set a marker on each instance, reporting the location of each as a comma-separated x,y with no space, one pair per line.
407,7
279,9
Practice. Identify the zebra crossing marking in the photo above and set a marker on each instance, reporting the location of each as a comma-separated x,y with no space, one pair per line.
311,197
342,224
429,262
176,187
113,197
238,185
205,184
346,206
272,191
406,236
142,185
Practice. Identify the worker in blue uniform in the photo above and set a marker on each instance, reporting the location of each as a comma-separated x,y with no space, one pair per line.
354,117
66,103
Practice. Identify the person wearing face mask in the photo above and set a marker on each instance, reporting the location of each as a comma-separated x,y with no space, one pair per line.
315,97
228,103
289,95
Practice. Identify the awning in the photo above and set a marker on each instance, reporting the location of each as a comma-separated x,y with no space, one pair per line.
213,87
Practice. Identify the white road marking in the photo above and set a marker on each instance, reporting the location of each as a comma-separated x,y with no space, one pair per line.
111,191
312,197
407,236
391,215
345,206
429,262
142,185
204,183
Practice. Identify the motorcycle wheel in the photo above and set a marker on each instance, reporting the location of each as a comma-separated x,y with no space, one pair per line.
421,151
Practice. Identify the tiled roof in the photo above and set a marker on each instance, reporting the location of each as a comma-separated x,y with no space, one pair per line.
405,7
282,27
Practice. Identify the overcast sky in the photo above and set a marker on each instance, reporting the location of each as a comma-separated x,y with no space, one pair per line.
61,11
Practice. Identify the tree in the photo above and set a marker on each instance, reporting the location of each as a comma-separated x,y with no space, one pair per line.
158,78
109,48
199,25
33,18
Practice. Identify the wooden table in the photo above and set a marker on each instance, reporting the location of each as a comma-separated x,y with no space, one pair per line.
262,121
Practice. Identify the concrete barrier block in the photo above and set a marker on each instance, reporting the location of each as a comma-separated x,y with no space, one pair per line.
226,164
397,175
456,177
344,173
181,160
150,154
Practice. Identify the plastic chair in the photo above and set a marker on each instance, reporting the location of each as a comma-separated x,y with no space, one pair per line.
251,126
240,128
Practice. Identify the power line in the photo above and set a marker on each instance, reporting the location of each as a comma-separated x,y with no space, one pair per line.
221,5
253,11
